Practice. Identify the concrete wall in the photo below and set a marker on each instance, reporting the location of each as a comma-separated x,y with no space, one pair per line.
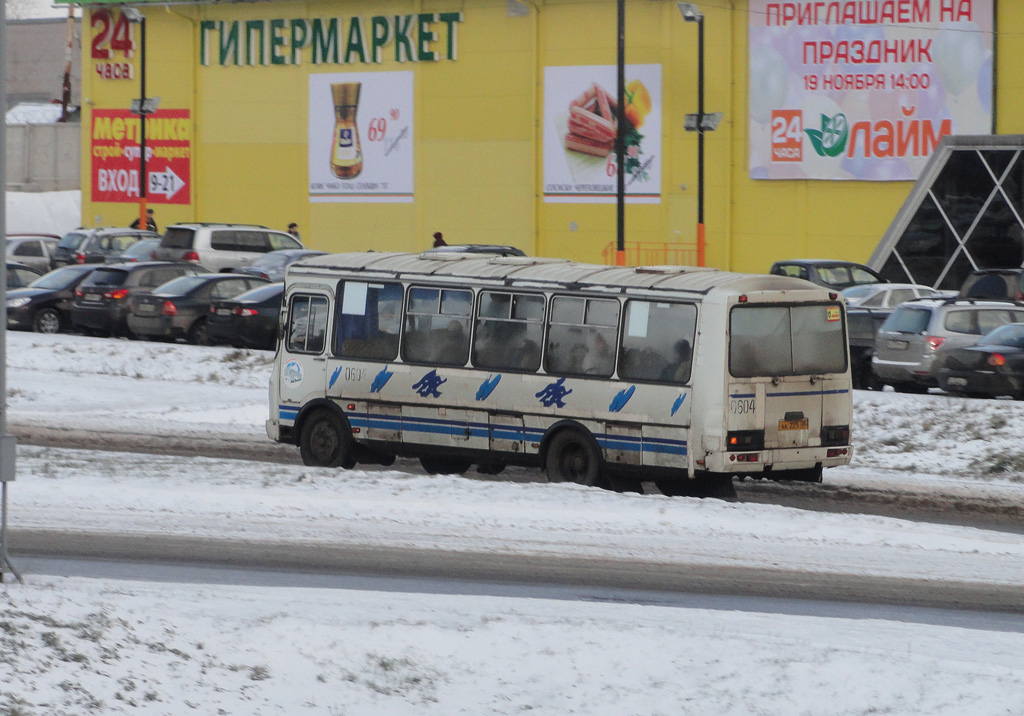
43,157
36,56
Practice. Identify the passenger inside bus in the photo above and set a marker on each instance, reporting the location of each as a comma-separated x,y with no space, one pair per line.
679,369
599,359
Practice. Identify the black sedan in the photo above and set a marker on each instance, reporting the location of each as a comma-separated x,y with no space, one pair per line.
273,264
248,320
991,367
44,306
181,308
20,275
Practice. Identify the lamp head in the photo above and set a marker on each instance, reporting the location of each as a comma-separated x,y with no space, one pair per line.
690,12
132,14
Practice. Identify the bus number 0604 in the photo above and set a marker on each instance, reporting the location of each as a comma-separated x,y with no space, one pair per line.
741,405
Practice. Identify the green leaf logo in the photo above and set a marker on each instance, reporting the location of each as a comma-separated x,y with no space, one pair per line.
830,140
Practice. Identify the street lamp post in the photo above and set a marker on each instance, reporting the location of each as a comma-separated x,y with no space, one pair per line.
144,107
8,443
699,122
620,138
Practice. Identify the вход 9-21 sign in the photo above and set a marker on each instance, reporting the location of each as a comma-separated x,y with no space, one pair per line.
114,148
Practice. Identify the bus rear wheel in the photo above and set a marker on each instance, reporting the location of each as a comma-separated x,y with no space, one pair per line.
325,441
571,457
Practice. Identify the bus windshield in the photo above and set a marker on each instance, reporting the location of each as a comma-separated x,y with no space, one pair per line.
786,340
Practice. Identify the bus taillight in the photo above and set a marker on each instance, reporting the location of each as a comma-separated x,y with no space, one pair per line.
835,435
736,440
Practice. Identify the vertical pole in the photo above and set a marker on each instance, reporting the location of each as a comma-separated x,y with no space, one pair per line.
142,126
700,141
69,48
8,444
620,142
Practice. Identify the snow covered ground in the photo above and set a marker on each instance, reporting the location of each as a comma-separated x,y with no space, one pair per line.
79,645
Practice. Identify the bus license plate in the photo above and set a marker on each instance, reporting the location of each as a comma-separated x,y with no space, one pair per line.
794,424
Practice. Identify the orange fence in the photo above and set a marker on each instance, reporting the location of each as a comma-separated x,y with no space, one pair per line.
654,253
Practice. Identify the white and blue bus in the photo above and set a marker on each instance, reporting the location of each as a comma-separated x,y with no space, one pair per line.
599,375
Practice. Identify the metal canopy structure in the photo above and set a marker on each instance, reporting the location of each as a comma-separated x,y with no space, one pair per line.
964,213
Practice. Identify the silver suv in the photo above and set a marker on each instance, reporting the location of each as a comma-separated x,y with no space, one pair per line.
221,247
912,343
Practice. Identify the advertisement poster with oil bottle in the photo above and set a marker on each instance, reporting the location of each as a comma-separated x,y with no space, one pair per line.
361,137
580,125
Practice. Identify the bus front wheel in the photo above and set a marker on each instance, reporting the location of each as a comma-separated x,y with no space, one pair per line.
325,442
571,457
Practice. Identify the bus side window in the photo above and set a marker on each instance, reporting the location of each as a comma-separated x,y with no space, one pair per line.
582,336
509,331
657,341
307,324
369,320
437,326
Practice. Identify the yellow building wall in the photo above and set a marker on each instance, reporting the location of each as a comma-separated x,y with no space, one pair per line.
478,135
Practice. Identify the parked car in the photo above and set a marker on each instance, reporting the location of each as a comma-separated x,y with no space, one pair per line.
32,249
1006,284
500,250
221,247
44,306
992,367
248,320
885,295
827,272
92,246
101,302
272,266
912,343
180,308
20,275
139,251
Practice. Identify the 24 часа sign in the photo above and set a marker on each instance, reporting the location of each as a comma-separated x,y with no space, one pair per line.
864,90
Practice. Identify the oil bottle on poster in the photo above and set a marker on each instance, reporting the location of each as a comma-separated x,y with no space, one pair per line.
346,154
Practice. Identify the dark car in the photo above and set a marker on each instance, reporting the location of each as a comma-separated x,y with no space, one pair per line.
248,320
139,251
272,266
1005,284
101,302
180,308
32,249
992,367
44,306
498,249
20,275
93,246
827,272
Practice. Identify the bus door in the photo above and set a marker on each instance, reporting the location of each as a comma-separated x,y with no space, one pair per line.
304,362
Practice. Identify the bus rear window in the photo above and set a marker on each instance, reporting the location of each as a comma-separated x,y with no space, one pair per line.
786,340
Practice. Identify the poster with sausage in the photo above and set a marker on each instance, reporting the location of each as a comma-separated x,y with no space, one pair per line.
580,126
361,137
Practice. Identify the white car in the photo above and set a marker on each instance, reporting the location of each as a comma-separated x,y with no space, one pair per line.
221,247
885,295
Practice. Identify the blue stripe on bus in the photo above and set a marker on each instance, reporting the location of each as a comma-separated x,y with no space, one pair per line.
806,392
790,395
439,426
